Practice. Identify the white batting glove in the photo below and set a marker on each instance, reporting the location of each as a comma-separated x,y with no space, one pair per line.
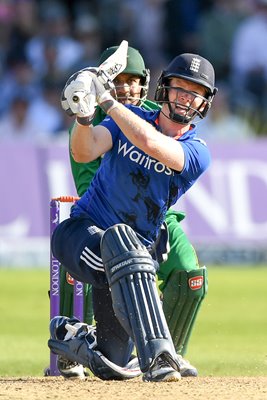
102,89
79,97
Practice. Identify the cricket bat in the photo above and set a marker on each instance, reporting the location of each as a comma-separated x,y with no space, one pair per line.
106,72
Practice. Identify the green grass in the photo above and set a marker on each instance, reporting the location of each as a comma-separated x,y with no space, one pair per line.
24,310
230,337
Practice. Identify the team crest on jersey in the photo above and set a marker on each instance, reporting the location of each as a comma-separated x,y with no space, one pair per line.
196,282
195,64
69,279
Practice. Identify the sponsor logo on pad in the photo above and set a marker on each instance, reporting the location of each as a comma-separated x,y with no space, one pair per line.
195,283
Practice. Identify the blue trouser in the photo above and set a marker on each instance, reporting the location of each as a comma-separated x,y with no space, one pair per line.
76,244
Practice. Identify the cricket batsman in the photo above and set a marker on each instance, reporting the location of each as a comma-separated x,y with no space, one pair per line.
183,284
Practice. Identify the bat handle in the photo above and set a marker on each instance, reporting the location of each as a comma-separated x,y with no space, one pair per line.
77,96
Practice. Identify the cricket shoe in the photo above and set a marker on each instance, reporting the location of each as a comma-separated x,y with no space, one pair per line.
161,371
186,369
70,369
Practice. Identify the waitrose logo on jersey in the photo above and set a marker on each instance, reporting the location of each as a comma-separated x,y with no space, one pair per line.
142,159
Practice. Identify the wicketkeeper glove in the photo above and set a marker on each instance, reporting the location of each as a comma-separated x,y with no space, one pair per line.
79,97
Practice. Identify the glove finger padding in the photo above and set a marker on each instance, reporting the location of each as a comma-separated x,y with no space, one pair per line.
79,96
102,92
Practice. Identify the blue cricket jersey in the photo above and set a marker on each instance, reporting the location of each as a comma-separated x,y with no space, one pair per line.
133,188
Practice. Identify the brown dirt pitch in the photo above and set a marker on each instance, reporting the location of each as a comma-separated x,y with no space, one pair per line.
210,388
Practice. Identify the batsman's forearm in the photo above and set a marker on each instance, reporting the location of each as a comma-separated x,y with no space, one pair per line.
137,130
147,138
82,143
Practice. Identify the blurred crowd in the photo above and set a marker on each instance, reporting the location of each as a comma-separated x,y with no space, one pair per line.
43,42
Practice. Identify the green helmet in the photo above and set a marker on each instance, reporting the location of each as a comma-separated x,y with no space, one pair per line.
135,66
